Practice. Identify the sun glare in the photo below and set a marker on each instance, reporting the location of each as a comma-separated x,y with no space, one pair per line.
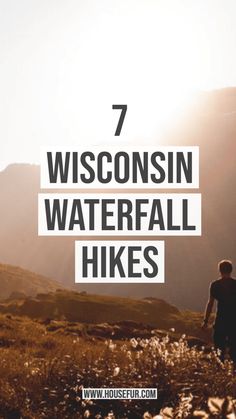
62,72
153,69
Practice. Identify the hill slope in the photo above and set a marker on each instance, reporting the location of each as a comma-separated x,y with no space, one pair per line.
110,316
17,281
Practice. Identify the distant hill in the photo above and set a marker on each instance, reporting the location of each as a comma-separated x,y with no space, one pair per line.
16,282
82,307
128,316
191,262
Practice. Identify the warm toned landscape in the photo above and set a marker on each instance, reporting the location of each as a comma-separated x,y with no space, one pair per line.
86,74
55,342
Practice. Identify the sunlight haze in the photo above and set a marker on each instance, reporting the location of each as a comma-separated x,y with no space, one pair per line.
64,63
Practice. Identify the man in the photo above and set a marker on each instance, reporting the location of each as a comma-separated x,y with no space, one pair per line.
223,290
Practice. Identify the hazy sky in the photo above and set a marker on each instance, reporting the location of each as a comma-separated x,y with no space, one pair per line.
63,64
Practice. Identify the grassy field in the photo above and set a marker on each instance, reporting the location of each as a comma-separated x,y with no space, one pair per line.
43,369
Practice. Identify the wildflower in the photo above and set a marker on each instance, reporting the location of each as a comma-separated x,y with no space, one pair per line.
111,345
110,416
138,354
143,343
167,412
123,348
116,371
35,371
134,343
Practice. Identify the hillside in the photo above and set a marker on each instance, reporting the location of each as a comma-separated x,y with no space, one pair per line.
88,308
15,281
107,316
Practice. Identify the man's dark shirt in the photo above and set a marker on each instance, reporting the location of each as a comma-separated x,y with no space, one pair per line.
224,291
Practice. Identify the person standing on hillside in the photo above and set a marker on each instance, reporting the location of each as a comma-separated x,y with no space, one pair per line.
223,290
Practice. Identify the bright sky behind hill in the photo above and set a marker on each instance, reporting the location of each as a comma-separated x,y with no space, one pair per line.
63,63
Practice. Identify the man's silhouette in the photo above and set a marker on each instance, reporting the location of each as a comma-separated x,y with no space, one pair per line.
223,290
